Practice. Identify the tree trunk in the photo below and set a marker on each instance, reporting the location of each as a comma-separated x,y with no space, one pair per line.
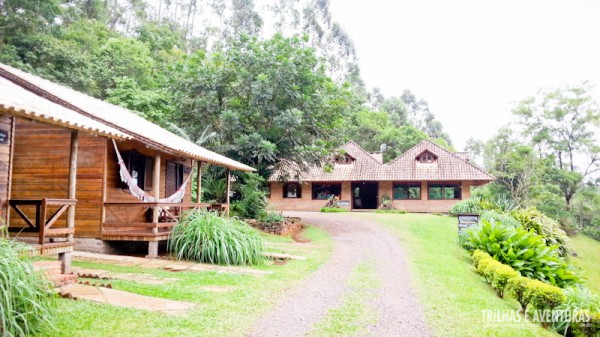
560,162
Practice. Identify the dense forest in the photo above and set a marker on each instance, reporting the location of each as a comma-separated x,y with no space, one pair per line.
268,81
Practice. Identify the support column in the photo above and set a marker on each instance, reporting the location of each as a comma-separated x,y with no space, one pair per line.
65,258
199,182
153,245
228,190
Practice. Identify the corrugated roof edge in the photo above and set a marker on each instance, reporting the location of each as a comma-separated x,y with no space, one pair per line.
12,74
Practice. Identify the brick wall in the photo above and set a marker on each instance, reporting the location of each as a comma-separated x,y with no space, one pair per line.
305,203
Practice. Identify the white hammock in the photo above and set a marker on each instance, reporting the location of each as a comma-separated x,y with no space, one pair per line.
139,193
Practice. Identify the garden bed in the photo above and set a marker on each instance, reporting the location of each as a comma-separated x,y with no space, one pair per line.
289,226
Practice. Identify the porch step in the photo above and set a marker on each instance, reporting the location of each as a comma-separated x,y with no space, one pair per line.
52,271
134,235
141,224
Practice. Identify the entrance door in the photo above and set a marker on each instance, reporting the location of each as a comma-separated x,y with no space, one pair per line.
364,195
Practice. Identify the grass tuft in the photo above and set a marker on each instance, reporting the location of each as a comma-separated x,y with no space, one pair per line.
206,237
26,301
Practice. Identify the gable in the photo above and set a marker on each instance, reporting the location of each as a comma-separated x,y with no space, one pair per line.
408,167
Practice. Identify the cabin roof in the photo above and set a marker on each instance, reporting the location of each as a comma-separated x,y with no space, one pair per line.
112,117
15,100
446,167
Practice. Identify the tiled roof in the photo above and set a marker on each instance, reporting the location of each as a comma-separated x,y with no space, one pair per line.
447,167
363,167
113,117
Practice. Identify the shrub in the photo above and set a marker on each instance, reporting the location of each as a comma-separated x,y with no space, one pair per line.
589,327
252,200
544,226
206,237
471,205
482,267
503,203
500,277
576,300
543,295
479,255
27,302
271,217
592,232
490,270
517,288
390,211
524,251
501,217
333,210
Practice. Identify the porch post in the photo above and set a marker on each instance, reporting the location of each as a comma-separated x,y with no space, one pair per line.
153,245
228,190
199,182
65,258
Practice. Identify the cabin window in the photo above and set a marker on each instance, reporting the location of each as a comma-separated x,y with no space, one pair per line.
292,190
407,191
140,167
325,191
173,177
444,191
343,160
269,190
426,157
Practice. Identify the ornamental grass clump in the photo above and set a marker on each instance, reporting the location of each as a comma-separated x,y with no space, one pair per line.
206,237
577,300
27,302
548,228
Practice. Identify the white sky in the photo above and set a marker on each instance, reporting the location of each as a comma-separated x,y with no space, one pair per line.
471,60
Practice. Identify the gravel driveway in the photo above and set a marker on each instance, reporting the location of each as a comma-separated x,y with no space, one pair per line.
355,239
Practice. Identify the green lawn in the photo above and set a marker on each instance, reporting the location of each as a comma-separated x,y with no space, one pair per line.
218,314
452,294
588,256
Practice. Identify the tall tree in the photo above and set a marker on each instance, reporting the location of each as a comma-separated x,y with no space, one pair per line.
268,101
561,121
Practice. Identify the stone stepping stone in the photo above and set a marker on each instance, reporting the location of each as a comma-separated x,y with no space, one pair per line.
164,264
125,299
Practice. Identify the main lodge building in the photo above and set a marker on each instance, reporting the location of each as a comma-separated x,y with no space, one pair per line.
426,178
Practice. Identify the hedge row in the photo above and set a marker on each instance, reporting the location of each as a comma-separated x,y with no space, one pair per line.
529,292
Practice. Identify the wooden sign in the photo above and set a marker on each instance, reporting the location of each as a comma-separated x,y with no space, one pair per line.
3,137
343,203
467,220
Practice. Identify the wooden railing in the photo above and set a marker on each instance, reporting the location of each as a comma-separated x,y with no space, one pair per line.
132,218
42,224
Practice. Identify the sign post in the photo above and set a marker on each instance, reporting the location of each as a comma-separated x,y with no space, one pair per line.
466,221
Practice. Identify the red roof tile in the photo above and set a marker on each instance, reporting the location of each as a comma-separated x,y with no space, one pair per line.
366,167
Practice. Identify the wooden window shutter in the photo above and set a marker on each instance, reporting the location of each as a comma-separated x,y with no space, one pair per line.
171,179
148,173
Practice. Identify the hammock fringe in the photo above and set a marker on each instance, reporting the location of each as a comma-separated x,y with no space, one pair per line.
139,193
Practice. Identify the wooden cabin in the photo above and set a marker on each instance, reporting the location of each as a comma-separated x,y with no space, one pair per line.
60,179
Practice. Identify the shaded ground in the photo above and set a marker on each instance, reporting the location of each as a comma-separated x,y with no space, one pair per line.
322,304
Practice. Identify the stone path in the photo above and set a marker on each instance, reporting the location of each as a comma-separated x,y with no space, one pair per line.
174,266
125,299
356,239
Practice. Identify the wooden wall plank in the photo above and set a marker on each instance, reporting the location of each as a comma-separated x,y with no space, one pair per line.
41,169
